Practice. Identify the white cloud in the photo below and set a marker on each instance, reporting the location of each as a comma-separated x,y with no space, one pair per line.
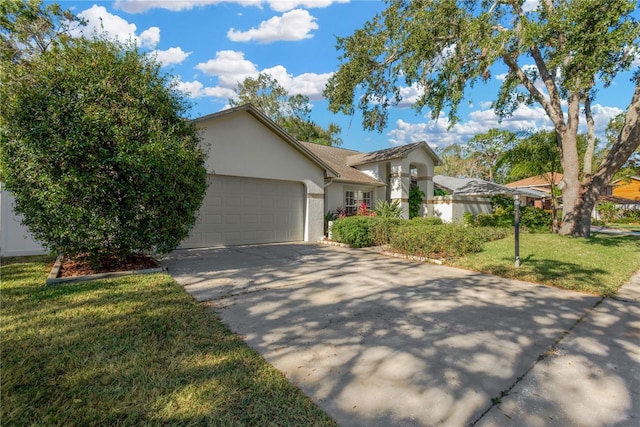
291,26
192,89
307,84
137,6
480,121
410,95
230,67
174,55
101,22
150,37
530,5
284,5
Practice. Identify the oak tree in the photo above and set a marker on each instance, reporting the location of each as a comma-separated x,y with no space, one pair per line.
290,112
554,55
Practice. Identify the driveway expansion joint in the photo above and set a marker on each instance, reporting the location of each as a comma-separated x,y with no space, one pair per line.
551,351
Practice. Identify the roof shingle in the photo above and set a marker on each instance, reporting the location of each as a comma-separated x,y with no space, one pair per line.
336,158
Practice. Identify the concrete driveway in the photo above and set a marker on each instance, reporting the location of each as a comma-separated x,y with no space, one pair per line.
380,341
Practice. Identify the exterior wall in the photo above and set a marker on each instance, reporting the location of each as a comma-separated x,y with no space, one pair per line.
260,153
334,194
399,183
15,239
374,170
629,190
452,208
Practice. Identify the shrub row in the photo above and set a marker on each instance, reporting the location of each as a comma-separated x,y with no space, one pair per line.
446,241
531,218
363,231
426,237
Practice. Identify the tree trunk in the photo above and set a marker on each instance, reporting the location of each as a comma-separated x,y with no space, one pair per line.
591,137
579,217
570,184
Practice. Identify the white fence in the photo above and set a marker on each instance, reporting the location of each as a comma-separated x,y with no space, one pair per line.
452,208
15,239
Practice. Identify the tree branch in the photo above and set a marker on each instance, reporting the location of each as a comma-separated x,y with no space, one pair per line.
628,141
528,84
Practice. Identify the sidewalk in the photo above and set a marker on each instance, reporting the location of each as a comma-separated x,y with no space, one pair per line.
591,379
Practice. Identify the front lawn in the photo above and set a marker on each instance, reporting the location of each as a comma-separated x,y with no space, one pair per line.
130,351
598,265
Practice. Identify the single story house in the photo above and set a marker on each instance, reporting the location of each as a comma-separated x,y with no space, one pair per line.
627,188
267,187
620,192
471,195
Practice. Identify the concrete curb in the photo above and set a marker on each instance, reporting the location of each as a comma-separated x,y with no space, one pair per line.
53,278
332,243
413,257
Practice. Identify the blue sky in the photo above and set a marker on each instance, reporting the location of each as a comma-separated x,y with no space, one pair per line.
210,45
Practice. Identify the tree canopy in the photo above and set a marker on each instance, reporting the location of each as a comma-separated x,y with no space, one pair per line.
96,150
290,112
554,56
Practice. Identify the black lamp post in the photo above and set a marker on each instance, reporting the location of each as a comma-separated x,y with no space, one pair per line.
516,224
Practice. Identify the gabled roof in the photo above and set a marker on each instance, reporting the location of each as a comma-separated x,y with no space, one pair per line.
480,187
625,180
271,125
336,158
398,152
537,181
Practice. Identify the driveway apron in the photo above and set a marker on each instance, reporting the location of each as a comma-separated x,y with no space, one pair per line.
381,341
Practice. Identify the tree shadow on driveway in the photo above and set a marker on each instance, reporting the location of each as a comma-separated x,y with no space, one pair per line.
382,341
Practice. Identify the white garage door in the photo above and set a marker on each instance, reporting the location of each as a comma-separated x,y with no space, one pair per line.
240,211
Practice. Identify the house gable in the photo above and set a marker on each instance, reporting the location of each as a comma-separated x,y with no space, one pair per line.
246,133
627,188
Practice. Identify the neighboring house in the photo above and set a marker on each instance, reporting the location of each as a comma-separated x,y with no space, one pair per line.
542,185
267,187
627,188
623,199
471,195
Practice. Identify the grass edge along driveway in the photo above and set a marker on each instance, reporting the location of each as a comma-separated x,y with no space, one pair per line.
136,350
599,265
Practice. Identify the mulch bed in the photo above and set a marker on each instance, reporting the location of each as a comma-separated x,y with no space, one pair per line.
79,266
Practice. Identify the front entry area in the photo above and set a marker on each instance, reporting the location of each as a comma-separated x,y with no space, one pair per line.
242,211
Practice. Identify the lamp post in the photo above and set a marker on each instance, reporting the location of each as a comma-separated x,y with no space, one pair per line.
516,224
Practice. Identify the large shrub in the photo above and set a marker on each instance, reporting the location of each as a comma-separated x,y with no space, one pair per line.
96,150
535,219
354,230
363,231
442,241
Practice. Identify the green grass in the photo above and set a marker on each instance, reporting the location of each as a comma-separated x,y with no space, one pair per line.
598,265
130,351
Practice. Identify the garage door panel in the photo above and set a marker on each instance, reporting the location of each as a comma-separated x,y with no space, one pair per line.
240,211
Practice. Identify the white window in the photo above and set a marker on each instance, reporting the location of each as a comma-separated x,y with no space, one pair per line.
353,199
367,198
350,202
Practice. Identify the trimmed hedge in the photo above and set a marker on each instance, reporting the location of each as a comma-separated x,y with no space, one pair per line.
363,231
443,241
426,237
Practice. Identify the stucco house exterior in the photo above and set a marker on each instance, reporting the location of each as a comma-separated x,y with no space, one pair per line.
267,187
